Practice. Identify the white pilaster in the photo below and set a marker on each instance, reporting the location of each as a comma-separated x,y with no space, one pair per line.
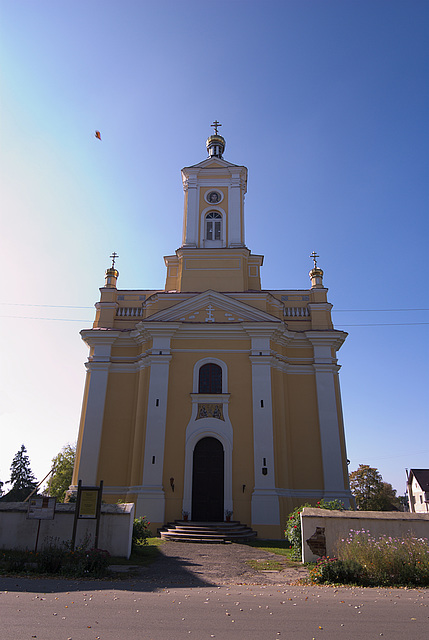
265,503
190,231
326,370
235,237
151,498
98,371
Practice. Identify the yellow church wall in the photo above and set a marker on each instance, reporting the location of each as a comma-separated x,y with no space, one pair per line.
75,477
231,279
117,429
300,354
216,348
305,455
240,414
138,436
178,416
207,348
281,430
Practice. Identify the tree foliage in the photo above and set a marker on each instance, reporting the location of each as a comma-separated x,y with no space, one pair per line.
21,476
371,492
61,479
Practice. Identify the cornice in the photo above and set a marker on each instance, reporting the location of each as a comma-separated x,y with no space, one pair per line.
210,398
333,338
99,336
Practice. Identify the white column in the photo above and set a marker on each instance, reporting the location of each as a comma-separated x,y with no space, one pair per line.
326,370
265,503
151,497
98,371
235,237
190,234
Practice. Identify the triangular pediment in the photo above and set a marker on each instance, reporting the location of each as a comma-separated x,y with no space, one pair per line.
211,306
212,163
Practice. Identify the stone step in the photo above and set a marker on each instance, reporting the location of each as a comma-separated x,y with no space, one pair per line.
210,532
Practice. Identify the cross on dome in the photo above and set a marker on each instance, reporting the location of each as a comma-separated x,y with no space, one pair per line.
314,256
114,256
216,125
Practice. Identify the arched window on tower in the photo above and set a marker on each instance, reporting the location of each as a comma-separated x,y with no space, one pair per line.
213,226
210,378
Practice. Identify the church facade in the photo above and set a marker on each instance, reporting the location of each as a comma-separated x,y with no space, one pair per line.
213,396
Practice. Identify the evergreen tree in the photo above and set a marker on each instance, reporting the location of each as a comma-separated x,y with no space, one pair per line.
21,476
63,464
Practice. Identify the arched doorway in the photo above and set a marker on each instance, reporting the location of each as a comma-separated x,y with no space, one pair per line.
207,481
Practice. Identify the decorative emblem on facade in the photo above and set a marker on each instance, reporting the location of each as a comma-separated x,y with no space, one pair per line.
210,411
213,197
210,316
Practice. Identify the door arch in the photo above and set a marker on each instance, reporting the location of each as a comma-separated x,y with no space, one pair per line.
208,481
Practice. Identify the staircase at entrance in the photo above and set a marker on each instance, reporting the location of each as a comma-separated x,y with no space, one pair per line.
209,532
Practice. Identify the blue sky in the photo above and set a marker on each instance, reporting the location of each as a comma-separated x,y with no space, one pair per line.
325,102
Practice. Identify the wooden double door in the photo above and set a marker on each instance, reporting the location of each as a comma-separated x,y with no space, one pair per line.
208,481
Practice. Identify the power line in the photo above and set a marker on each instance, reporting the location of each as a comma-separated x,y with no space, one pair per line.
383,324
51,306
374,324
70,306
57,319
370,310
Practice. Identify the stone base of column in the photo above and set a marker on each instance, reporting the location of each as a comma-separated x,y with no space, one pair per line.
265,507
150,503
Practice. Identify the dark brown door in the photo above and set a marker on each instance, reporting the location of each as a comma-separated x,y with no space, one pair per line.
207,481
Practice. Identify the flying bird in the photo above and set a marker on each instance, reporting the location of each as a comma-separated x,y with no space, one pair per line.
98,135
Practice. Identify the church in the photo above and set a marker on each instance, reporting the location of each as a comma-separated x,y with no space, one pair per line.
213,396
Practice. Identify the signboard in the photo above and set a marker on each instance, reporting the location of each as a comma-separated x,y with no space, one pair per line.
88,503
41,508
88,506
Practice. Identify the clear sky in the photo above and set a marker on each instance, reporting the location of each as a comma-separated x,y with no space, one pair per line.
325,102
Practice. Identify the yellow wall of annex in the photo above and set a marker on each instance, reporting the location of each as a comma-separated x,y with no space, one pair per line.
117,432
306,455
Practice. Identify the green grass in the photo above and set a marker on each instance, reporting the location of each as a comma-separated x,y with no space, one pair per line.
280,548
142,555
266,565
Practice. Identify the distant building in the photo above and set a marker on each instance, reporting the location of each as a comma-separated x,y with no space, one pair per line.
214,395
418,490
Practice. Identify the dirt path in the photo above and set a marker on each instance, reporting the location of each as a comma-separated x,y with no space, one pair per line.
214,565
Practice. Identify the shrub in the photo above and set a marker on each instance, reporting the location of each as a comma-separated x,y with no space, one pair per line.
51,558
368,561
293,527
387,560
293,530
57,559
86,563
331,570
141,531
16,561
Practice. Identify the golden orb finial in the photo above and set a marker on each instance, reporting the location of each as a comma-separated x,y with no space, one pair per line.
215,143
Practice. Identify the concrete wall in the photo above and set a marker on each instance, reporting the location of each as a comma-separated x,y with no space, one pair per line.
322,529
18,532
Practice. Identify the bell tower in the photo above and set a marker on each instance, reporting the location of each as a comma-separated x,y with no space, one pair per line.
213,254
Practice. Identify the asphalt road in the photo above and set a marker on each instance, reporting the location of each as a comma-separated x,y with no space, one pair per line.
180,597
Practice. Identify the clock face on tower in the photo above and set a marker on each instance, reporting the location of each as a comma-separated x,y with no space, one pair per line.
213,197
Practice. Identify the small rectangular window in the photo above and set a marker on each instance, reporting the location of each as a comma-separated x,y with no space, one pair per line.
217,230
